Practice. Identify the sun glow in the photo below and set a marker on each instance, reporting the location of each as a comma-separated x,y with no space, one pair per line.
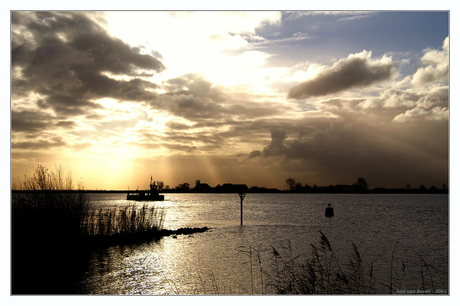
209,95
203,37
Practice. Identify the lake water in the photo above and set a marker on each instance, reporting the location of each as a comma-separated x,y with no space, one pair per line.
219,262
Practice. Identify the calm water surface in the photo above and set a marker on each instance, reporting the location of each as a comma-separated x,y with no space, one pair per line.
219,261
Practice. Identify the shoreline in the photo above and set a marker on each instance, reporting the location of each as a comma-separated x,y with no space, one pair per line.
139,237
379,191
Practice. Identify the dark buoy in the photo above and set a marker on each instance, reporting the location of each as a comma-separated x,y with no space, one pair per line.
329,211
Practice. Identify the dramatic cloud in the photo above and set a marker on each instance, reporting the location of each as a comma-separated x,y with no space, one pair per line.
71,61
192,98
40,144
437,66
196,99
247,97
352,147
255,153
436,113
409,98
276,146
357,70
30,121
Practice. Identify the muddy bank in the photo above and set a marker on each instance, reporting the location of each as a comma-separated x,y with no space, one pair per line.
140,237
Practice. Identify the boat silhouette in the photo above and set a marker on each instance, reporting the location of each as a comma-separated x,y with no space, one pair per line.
147,195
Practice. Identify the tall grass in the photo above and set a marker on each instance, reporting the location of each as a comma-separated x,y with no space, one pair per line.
124,220
47,213
53,215
52,230
46,223
323,273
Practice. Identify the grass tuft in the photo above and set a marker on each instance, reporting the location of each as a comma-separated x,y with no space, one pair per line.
322,274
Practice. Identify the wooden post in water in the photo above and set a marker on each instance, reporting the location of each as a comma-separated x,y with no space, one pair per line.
242,195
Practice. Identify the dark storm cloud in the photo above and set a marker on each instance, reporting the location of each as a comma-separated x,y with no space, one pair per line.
255,153
341,149
36,121
39,144
67,58
29,121
196,99
191,97
357,70
66,124
112,54
276,146
177,126
67,104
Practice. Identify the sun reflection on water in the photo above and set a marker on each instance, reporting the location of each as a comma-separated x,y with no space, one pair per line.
218,261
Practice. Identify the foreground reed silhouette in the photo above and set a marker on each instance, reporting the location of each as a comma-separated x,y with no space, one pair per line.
324,274
321,274
53,232
128,225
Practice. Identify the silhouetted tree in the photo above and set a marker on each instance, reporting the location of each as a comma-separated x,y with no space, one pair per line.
433,188
183,187
298,186
291,183
422,188
408,187
361,184
160,186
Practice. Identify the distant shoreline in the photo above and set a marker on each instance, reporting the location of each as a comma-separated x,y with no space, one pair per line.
373,191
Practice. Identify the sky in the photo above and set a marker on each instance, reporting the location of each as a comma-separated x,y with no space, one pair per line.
249,97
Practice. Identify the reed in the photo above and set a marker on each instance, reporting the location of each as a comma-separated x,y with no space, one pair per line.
322,274
51,215
46,232
52,231
127,220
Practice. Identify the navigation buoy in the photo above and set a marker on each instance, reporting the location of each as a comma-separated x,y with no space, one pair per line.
329,211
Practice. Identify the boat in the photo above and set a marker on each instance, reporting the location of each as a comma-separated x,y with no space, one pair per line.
329,211
147,195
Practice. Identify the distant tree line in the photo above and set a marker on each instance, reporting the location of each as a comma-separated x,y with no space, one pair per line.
360,186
